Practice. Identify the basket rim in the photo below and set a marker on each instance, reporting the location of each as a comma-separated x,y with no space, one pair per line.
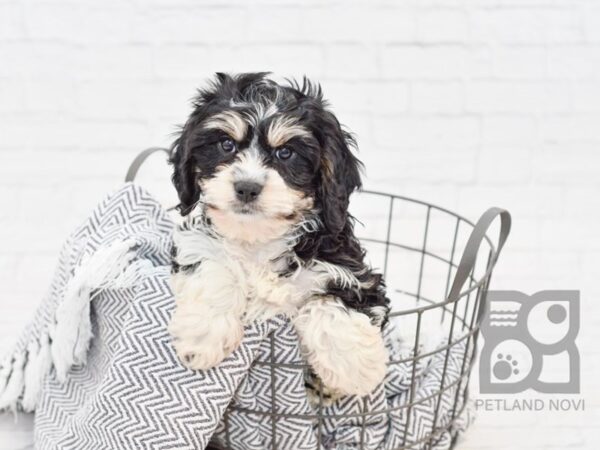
492,257
429,205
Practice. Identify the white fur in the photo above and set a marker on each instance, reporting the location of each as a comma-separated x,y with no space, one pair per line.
239,282
207,322
249,166
230,286
342,346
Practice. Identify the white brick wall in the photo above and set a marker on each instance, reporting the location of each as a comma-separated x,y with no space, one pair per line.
465,103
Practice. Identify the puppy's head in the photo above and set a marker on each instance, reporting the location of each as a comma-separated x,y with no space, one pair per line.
258,157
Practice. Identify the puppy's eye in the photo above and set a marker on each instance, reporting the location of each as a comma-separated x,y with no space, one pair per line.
227,145
284,153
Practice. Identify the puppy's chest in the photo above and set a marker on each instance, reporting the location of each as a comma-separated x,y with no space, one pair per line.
258,270
266,274
270,276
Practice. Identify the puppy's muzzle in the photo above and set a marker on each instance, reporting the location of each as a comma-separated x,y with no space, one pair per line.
247,191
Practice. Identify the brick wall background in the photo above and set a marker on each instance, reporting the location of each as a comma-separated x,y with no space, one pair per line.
463,103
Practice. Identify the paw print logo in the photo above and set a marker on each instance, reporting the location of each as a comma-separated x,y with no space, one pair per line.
529,342
505,367
510,363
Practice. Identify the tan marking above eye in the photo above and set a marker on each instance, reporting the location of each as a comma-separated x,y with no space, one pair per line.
230,122
282,129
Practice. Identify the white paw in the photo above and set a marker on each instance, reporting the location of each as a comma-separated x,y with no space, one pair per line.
204,354
200,341
344,349
357,371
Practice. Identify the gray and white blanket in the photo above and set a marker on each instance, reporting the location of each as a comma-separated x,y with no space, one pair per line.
97,366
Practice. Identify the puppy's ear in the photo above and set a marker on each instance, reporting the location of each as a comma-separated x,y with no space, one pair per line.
184,175
340,174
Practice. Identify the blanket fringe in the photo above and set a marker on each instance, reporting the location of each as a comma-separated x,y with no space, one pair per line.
108,267
14,384
38,365
65,343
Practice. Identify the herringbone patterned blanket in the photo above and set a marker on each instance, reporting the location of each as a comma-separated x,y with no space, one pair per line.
97,366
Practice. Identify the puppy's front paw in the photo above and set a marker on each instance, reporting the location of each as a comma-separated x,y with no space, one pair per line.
202,342
345,350
203,354
355,370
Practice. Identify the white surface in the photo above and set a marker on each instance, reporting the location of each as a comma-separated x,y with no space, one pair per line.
462,103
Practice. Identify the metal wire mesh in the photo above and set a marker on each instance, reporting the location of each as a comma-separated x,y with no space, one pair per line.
417,247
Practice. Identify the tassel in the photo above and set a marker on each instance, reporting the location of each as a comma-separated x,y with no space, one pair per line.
84,333
133,273
14,386
38,366
73,331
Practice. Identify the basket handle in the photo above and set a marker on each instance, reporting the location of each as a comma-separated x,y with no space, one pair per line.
469,256
139,160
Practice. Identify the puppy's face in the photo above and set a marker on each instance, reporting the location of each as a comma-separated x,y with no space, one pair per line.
257,158
257,174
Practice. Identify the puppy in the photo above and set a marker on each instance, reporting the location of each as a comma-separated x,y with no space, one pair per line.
264,173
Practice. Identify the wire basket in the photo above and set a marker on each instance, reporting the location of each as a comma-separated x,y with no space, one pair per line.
443,262
437,266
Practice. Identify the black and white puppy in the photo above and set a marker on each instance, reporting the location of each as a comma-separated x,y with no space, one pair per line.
264,173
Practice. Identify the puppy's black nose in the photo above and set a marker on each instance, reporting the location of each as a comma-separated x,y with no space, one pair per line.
247,191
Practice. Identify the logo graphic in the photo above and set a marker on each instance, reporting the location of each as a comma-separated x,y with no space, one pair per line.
530,343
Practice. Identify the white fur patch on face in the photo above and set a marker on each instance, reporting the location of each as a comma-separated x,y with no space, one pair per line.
229,122
270,216
250,167
282,129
